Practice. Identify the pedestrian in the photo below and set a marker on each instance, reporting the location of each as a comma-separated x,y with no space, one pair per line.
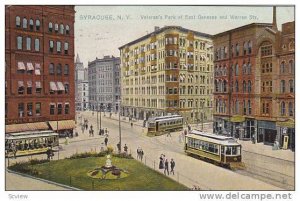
169,134
141,154
106,131
92,132
119,147
131,124
99,132
166,167
161,162
185,132
82,129
86,126
125,148
189,128
138,153
48,152
106,141
14,149
172,165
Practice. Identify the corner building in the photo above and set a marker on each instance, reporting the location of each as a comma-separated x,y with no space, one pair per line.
168,71
39,68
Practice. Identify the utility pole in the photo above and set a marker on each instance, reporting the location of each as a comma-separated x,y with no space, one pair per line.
120,126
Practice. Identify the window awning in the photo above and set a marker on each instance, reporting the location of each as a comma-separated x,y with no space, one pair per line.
21,66
62,125
20,84
38,84
38,69
60,86
290,123
53,86
12,128
29,83
30,66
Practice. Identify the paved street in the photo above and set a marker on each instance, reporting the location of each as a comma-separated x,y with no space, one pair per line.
188,170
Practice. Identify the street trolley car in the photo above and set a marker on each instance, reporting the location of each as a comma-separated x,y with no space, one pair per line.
222,150
28,143
164,124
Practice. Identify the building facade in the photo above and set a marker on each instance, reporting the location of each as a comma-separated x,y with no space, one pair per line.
104,83
81,86
168,71
39,67
250,87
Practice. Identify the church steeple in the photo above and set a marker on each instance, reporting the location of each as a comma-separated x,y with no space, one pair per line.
77,58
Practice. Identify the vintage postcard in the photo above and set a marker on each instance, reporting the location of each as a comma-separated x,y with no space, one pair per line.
150,98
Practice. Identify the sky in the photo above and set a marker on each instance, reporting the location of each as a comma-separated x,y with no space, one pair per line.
101,30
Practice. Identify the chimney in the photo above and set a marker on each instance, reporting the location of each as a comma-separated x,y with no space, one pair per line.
274,19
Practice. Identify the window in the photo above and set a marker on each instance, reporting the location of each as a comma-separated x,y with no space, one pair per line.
37,109
56,27
292,66
245,108
249,47
21,109
67,29
249,86
237,69
237,49
20,87
37,44
245,48
67,108
19,42
61,29
67,88
38,87
282,67
31,24
51,69
244,87
236,86
52,109
291,109
18,21
59,108
282,86
282,108
29,87
66,48
28,43
59,69
249,107
29,109
266,50
50,26
58,46
24,23
66,69
37,25
291,84
51,45
249,68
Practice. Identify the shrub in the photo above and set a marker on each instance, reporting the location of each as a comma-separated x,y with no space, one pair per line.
110,149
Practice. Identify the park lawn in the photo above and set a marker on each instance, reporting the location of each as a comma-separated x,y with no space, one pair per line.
73,172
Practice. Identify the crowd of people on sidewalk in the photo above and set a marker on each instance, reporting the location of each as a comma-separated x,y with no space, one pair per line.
140,153
164,164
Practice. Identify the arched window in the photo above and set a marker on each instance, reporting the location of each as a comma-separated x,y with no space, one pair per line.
67,29
31,24
291,84
18,21
249,86
37,25
216,86
24,23
19,42
237,69
292,66
282,67
50,26
28,43
236,86
225,86
282,86
51,69
56,27
282,108
249,47
59,69
37,44
249,68
245,48
61,29
237,49
244,87
249,107
291,109
244,68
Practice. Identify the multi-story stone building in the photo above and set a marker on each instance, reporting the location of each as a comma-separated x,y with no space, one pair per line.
81,86
104,83
168,71
248,81
39,68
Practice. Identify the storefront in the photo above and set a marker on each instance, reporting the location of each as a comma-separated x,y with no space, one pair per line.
267,132
286,134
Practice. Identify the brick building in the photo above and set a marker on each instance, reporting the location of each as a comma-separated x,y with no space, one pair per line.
39,68
250,87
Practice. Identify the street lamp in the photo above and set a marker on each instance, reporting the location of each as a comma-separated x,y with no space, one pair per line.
120,144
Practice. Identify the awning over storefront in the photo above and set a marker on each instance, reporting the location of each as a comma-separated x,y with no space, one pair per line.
237,119
12,128
62,125
290,123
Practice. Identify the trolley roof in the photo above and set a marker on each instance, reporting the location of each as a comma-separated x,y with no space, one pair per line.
209,137
31,134
165,117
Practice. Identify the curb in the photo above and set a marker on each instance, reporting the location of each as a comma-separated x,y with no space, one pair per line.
44,180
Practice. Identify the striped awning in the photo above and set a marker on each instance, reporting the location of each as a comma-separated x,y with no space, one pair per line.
53,86
60,86
38,69
62,125
30,66
21,65
12,128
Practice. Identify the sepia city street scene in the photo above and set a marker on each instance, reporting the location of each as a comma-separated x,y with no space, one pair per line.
149,98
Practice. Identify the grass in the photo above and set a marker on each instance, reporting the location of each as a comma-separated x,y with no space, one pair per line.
73,172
